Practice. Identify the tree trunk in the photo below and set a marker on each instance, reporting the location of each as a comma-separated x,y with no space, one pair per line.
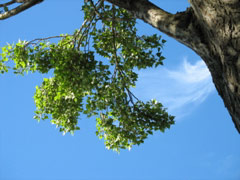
212,29
220,23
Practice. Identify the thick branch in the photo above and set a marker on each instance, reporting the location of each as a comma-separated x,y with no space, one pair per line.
19,9
151,14
180,26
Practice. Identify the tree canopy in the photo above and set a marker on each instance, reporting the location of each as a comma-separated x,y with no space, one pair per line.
94,70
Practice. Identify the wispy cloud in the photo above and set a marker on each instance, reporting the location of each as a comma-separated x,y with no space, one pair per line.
179,89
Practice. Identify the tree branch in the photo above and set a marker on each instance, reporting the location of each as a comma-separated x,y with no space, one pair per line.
19,9
181,26
7,4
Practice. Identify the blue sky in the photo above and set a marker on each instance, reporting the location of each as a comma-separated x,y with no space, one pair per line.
202,145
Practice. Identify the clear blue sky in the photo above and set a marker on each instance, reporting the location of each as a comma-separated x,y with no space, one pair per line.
203,145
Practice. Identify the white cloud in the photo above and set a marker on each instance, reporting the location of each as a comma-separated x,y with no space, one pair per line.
189,73
180,90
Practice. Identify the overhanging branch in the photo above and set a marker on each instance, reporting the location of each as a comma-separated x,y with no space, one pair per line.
7,3
179,26
19,9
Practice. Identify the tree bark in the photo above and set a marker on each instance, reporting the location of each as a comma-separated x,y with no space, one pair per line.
211,28
25,5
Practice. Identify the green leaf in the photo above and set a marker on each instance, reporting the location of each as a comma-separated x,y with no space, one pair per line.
5,8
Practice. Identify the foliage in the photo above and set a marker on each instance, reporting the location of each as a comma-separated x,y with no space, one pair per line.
94,70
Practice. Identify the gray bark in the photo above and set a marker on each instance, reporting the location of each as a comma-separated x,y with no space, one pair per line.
211,28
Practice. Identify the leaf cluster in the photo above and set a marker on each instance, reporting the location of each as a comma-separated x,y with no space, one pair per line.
93,73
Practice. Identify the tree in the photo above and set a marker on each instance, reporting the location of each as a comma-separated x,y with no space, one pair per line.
212,34
211,29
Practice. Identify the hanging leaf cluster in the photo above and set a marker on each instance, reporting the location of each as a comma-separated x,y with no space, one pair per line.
93,73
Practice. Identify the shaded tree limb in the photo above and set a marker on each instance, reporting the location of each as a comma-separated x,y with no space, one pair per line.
7,4
19,9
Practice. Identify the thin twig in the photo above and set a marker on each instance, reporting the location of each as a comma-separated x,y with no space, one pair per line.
43,39
90,23
95,8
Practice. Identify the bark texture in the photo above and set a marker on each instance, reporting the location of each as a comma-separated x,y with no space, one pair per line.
211,28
